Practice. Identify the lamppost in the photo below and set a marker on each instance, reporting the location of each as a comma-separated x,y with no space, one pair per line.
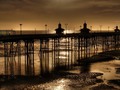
108,28
20,29
46,28
100,28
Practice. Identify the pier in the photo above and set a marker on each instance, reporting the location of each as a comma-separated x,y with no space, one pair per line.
55,50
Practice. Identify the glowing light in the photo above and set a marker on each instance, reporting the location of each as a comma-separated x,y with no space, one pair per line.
68,31
61,85
62,57
64,53
62,81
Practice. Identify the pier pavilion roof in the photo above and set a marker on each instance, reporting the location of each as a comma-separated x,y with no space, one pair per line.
59,30
85,29
116,29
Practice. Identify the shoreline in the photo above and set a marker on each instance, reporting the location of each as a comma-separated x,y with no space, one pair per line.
74,81
101,57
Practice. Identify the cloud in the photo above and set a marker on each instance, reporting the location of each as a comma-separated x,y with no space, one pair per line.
56,5
67,10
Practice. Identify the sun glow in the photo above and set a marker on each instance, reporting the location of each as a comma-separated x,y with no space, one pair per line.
68,31
60,86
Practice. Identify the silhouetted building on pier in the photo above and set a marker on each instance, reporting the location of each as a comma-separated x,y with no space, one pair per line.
85,30
116,29
59,30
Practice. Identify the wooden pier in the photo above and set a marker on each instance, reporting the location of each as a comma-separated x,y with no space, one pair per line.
54,50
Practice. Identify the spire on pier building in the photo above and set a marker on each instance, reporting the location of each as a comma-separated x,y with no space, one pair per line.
59,30
85,29
117,29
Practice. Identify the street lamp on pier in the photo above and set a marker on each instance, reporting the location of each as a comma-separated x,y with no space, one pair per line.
46,28
108,28
100,28
20,29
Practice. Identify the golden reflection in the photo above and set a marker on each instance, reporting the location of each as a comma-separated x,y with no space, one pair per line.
68,31
63,55
62,81
63,40
61,85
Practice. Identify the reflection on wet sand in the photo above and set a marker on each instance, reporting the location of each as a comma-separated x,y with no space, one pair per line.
47,65
94,76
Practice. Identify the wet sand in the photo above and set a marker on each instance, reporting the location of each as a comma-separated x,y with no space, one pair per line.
103,56
90,76
57,81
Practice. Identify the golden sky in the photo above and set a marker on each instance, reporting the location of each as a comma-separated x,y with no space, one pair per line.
34,14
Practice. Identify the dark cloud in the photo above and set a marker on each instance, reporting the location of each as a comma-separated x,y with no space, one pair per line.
55,10
40,6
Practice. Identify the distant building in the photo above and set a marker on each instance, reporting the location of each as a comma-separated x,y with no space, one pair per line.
7,32
59,30
85,30
116,29
31,32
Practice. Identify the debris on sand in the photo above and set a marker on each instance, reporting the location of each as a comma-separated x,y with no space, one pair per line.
117,70
84,75
103,87
84,79
115,82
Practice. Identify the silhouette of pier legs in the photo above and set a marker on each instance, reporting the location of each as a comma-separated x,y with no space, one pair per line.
18,48
19,56
6,59
29,58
